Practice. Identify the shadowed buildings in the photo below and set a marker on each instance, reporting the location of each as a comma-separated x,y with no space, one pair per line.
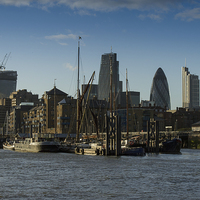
160,90
118,96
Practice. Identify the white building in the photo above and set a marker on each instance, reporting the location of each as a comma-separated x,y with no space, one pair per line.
190,89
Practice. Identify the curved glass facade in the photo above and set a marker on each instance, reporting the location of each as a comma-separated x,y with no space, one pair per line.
160,90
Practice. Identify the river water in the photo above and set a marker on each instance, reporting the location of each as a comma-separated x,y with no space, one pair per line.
71,176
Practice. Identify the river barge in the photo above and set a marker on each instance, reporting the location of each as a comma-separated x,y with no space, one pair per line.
31,145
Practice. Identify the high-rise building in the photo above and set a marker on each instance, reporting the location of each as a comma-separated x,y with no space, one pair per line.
104,76
160,90
93,91
190,89
8,82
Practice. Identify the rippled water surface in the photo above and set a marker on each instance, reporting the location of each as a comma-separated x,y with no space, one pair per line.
70,176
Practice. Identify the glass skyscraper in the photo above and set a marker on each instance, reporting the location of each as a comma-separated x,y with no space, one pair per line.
104,76
160,90
8,82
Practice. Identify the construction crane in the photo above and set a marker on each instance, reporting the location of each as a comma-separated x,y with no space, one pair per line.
4,62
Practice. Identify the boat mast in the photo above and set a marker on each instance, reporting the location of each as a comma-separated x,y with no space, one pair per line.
111,83
127,127
55,117
78,112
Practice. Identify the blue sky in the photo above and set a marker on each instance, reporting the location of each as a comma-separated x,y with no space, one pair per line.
42,36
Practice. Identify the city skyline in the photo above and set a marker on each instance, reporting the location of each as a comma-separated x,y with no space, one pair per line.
42,37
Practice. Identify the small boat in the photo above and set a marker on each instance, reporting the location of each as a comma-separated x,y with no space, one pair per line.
67,148
171,146
8,146
138,151
33,145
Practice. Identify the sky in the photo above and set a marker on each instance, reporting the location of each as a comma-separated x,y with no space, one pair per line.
42,37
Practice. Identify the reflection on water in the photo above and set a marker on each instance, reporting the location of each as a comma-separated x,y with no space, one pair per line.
70,176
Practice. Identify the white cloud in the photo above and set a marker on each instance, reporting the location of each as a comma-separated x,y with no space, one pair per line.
105,5
151,16
61,37
142,17
15,2
189,15
154,17
98,5
63,44
85,7
70,67
84,12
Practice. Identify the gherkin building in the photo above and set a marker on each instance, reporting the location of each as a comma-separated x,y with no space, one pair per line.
160,90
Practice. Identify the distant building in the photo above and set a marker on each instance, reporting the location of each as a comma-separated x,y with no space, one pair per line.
16,118
8,82
42,119
190,89
51,99
93,92
196,126
5,105
34,120
23,96
133,99
139,116
146,103
104,76
160,90
184,118
66,116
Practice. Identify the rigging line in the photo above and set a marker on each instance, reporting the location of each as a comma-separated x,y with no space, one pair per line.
86,123
82,69
132,107
72,79
95,78
124,77
86,102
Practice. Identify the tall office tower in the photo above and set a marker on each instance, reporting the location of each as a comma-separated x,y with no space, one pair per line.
93,91
190,89
8,82
104,77
160,90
